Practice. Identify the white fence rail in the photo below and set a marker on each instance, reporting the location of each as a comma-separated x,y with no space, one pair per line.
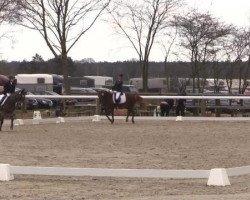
144,97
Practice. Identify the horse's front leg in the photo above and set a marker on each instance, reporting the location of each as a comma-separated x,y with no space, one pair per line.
112,115
107,113
133,115
11,122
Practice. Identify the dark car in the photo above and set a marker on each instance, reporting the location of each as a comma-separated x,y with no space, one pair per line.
31,103
55,101
43,102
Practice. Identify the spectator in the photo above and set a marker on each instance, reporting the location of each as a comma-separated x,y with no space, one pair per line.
180,107
165,106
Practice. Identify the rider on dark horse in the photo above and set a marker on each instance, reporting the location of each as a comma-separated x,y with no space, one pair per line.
117,88
9,88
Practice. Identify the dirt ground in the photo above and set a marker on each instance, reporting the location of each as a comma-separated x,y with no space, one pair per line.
144,145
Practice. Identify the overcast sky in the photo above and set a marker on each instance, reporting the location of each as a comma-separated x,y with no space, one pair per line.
102,45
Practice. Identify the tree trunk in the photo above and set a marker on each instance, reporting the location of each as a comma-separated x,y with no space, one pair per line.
166,76
65,72
145,76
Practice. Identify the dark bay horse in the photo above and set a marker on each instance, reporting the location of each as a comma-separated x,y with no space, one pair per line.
108,106
8,108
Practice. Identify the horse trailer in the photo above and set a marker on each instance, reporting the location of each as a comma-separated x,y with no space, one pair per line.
40,82
101,81
35,82
154,84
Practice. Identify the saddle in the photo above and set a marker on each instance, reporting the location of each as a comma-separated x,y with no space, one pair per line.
119,97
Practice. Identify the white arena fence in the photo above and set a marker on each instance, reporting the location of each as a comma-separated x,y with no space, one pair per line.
200,97
216,177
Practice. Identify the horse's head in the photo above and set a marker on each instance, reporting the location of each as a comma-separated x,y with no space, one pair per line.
105,99
104,95
20,95
138,98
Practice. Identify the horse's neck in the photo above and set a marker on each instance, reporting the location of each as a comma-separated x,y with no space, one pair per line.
13,98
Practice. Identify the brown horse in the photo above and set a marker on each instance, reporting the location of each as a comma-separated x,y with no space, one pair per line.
8,108
108,106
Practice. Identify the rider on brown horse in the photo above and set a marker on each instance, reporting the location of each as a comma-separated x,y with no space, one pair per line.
117,88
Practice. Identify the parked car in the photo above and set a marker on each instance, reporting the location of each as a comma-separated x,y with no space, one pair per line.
55,101
79,90
31,103
43,102
83,91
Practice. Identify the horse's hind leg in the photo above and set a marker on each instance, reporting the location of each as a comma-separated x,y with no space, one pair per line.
128,113
133,114
112,116
11,122
1,121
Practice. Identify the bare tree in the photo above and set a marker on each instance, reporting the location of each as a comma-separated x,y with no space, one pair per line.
62,23
140,22
237,50
201,35
9,13
37,58
167,44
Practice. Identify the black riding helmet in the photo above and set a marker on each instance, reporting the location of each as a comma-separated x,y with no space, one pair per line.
11,77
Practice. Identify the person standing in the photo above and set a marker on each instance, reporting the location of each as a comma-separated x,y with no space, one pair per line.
165,106
180,107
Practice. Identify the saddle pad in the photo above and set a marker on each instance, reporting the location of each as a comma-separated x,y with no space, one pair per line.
2,101
1,97
123,97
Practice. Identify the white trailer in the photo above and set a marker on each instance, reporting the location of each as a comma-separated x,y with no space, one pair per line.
101,81
35,82
154,84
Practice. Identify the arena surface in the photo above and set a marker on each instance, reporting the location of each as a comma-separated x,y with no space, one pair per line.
144,145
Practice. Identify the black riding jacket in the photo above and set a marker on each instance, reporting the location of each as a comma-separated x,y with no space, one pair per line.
9,87
118,86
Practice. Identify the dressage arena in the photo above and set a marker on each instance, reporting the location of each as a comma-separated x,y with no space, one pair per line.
147,144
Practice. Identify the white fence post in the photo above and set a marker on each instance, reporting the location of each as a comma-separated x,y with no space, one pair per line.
5,174
218,177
